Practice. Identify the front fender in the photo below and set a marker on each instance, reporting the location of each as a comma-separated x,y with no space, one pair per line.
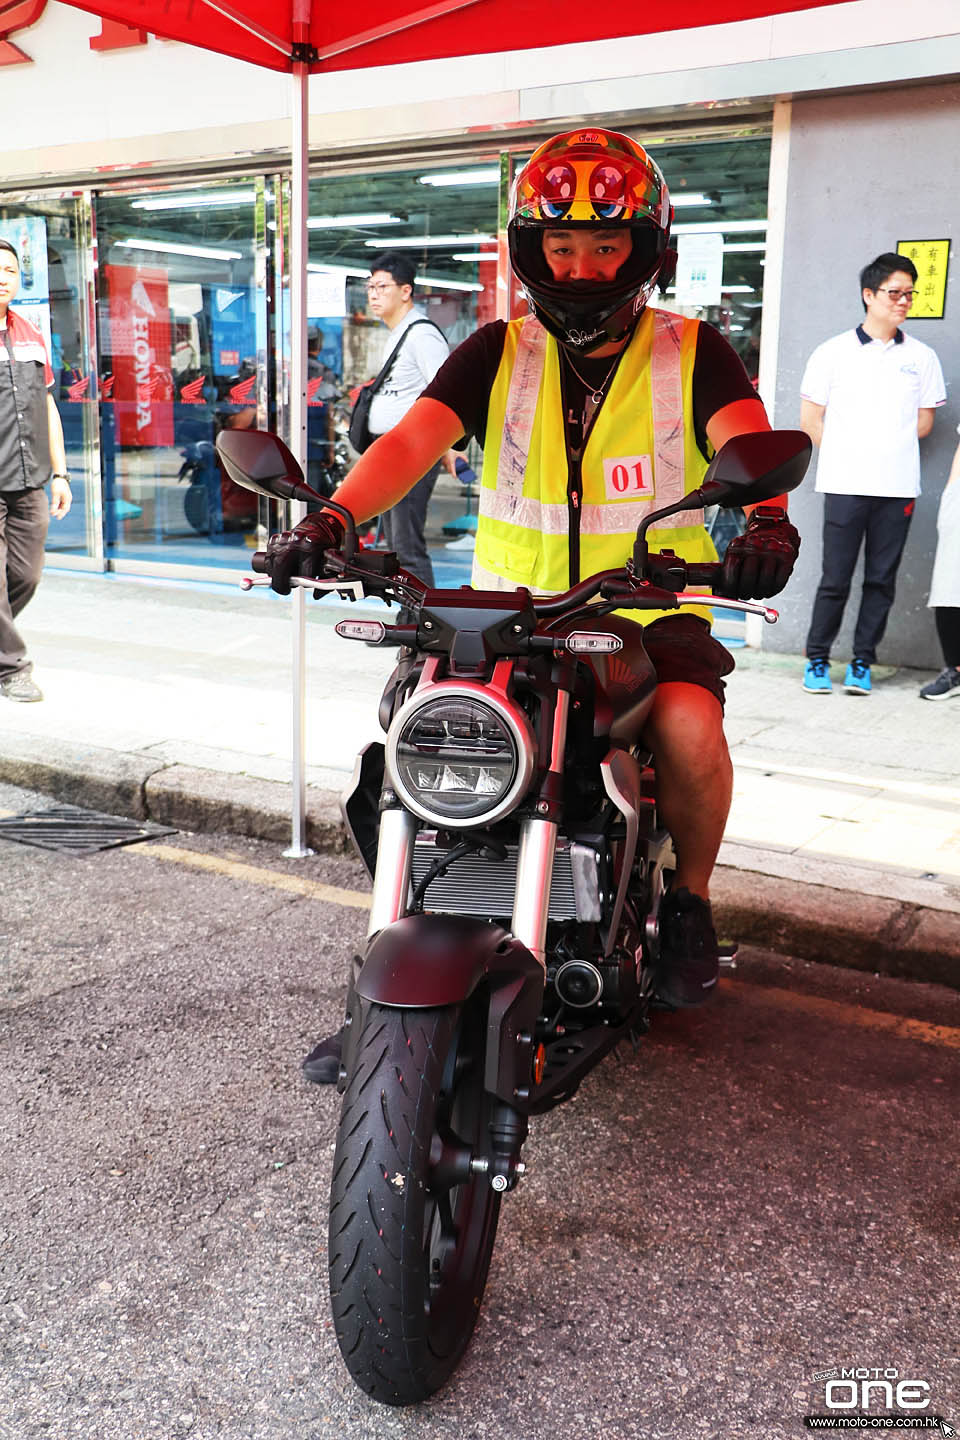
432,960
429,961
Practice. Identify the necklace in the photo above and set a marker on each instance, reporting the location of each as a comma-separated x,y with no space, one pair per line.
594,394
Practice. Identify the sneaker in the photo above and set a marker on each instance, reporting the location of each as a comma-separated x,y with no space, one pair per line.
816,677
946,684
857,679
20,686
689,956
322,1065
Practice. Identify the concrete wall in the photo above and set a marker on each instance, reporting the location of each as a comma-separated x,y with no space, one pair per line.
864,171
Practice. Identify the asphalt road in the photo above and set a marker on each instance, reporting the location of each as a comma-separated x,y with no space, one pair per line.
767,1189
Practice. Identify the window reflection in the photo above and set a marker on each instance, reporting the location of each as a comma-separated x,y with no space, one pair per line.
46,231
179,317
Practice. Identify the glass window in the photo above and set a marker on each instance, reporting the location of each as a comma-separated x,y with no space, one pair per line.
183,355
444,218
54,294
720,188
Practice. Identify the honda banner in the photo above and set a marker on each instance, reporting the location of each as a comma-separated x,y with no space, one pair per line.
140,355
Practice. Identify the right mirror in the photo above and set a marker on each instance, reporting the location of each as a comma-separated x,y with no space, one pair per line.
751,468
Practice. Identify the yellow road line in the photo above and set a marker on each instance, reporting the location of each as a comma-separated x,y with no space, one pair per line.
254,875
901,1027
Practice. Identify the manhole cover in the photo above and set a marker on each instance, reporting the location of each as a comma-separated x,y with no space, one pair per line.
77,831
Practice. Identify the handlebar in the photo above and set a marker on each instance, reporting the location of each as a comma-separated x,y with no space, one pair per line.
617,589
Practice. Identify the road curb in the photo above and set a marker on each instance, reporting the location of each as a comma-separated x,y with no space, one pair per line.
913,934
838,927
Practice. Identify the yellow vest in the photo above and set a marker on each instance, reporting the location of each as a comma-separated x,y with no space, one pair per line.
641,454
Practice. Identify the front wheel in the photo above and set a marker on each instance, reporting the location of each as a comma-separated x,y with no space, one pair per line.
412,1225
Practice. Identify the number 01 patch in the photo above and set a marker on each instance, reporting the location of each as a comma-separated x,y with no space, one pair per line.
628,477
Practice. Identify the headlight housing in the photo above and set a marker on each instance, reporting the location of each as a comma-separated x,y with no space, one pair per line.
460,755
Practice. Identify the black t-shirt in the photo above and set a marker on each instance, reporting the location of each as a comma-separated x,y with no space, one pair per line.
464,382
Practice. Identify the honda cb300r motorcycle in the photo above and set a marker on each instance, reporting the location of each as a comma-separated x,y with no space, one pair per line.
509,826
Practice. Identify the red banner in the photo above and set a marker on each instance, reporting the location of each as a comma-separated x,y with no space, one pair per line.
140,339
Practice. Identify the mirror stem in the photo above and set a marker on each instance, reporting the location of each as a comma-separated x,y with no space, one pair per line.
640,544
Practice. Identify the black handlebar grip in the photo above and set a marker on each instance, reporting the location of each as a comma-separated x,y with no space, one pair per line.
706,574
258,562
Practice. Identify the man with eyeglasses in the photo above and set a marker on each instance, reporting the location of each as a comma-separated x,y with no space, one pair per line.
420,348
867,399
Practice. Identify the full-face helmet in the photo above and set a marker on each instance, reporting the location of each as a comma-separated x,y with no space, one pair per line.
590,179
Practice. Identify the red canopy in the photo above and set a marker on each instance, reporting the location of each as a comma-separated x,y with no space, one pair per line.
392,32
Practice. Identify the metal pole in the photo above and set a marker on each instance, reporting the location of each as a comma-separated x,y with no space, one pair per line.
299,205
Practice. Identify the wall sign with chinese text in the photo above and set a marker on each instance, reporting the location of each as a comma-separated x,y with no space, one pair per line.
931,257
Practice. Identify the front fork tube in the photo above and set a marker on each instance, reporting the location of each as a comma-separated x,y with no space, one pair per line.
391,883
531,903
538,843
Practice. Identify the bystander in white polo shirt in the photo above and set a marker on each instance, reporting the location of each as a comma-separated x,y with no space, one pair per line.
872,390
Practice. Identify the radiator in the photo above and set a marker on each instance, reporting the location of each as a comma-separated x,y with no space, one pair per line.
474,882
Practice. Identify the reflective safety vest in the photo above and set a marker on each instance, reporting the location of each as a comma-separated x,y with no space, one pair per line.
546,521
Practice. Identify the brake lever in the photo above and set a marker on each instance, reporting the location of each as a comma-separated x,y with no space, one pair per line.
716,602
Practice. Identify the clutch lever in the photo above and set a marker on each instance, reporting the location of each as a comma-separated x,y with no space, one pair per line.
353,587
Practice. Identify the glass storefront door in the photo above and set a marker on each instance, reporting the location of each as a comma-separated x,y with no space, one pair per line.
183,354
56,295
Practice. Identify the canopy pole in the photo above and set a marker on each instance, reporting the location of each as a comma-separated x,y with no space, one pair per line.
299,206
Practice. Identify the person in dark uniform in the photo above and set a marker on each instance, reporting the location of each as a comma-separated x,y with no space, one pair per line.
31,453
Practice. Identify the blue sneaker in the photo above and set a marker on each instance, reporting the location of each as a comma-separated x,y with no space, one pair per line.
857,679
816,677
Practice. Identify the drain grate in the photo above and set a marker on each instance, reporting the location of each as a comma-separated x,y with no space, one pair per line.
77,831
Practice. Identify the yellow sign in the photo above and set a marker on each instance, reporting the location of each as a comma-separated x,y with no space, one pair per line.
931,258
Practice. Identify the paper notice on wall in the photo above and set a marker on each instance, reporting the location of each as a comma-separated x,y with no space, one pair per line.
699,269
326,293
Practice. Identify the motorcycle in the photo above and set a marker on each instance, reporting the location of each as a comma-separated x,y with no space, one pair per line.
509,825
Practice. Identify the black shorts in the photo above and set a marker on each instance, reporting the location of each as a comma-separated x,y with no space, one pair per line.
682,648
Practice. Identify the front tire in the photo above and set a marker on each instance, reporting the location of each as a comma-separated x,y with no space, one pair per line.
412,1228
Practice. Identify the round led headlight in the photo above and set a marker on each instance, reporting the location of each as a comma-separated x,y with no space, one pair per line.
459,755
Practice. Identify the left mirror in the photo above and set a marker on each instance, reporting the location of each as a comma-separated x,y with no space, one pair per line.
262,462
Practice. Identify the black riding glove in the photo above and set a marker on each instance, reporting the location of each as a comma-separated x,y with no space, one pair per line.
301,551
759,562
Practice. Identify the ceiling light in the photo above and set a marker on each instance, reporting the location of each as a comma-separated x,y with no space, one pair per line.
346,222
165,247
423,242
726,227
448,284
199,199
726,290
695,197
340,270
489,175
475,255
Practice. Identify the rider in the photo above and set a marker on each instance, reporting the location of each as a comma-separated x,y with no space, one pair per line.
591,411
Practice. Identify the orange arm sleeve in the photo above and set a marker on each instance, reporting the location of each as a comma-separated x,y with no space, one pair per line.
743,417
395,462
